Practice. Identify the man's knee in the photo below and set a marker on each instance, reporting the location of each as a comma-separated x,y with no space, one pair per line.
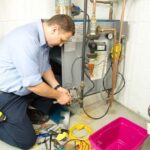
22,136
27,143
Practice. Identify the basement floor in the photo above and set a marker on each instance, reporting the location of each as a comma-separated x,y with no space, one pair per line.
96,108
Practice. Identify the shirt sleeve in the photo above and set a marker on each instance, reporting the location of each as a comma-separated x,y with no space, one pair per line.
26,64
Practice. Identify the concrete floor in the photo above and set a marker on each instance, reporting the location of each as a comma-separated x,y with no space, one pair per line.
96,107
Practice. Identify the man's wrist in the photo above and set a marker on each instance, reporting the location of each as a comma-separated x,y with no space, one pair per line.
57,86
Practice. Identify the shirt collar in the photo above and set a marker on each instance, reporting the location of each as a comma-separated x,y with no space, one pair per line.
41,34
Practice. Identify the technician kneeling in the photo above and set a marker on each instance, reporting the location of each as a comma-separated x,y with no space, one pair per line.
25,71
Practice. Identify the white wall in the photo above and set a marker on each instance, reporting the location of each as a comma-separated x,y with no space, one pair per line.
17,12
136,94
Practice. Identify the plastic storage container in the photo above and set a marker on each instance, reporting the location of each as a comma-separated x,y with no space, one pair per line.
120,134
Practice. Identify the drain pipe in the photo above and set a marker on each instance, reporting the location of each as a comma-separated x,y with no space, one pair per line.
83,55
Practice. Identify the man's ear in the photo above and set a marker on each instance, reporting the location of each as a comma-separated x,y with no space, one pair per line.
54,29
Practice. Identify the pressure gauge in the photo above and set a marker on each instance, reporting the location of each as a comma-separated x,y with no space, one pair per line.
109,36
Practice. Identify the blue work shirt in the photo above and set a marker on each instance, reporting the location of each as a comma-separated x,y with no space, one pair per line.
24,57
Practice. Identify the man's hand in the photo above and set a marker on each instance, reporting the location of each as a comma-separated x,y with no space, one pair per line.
64,97
61,89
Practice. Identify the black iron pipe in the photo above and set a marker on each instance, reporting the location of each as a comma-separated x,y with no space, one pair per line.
83,49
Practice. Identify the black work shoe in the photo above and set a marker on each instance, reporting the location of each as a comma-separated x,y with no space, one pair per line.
36,116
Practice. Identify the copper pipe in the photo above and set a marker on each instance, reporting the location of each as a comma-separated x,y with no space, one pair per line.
109,30
110,12
94,7
106,2
114,79
93,19
114,64
116,60
122,18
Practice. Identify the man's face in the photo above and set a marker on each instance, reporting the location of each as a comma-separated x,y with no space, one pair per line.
58,37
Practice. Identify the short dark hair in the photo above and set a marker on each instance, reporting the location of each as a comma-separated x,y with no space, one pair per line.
64,21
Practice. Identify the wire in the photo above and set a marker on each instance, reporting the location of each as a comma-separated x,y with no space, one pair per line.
88,29
103,61
88,20
87,145
96,117
88,25
122,85
105,77
72,76
121,74
121,77
93,84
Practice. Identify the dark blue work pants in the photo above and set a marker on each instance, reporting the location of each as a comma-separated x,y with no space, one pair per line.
17,130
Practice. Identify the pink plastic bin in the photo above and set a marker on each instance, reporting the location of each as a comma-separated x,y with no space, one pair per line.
120,134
